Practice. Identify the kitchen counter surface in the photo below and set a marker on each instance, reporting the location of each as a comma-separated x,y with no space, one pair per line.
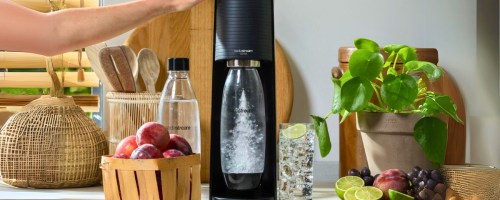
90,193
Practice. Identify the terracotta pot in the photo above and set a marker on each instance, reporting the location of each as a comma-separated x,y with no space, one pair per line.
389,143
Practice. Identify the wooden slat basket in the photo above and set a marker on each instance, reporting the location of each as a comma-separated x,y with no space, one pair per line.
164,178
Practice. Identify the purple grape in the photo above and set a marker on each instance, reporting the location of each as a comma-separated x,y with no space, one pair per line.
354,172
414,181
365,172
425,179
437,176
431,184
417,169
414,174
421,184
368,180
422,174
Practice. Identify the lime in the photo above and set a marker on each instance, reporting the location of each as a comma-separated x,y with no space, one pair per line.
349,193
347,182
295,131
395,195
368,193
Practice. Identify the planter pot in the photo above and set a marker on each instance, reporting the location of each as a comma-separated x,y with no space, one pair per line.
389,143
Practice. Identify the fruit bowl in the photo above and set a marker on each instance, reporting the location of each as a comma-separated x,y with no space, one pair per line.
162,178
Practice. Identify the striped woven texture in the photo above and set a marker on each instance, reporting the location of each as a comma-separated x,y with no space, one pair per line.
473,181
51,143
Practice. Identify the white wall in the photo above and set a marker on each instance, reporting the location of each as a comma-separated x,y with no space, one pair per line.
312,31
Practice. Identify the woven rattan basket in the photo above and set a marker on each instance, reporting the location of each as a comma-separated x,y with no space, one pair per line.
164,178
473,181
128,112
51,143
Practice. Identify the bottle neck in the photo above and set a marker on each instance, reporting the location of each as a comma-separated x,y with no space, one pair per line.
178,74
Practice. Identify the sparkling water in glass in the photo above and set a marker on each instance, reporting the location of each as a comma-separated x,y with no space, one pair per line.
295,168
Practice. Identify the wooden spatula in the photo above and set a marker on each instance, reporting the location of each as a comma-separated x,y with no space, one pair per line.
134,65
93,56
123,69
150,68
109,71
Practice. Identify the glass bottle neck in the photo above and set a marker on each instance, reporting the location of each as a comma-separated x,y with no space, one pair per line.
178,74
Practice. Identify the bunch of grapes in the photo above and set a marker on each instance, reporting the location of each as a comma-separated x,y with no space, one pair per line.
427,184
365,174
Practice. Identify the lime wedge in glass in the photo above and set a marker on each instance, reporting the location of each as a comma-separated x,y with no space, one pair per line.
395,195
349,193
295,131
346,182
368,193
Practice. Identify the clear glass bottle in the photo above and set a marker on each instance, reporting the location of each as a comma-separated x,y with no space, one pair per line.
178,105
243,126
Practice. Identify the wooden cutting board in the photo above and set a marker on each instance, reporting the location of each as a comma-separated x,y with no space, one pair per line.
190,34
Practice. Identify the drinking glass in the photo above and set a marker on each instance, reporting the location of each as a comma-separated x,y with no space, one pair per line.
295,167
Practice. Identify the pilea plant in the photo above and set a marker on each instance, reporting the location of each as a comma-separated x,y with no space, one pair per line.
395,91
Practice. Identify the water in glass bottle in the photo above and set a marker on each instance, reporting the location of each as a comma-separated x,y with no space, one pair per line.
178,105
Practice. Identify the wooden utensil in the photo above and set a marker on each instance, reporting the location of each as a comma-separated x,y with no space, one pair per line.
108,68
150,68
134,65
116,60
93,52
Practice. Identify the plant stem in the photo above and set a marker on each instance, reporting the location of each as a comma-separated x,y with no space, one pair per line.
395,61
409,111
379,108
328,115
377,93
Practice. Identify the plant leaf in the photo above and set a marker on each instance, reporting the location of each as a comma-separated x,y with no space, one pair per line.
337,106
393,47
363,43
407,54
435,104
430,69
355,94
399,91
366,64
344,114
345,77
392,71
389,59
431,134
321,129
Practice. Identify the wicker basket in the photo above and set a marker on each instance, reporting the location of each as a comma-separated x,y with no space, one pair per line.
128,112
473,181
164,178
51,143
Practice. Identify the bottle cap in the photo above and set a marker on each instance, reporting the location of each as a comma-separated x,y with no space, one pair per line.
178,64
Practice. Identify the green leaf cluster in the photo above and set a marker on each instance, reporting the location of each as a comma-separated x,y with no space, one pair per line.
373,84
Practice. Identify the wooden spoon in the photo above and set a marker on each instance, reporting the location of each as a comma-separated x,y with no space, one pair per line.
150,68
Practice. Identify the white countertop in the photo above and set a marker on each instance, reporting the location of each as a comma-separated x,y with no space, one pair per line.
90,193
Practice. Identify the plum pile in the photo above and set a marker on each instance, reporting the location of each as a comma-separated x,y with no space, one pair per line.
152,140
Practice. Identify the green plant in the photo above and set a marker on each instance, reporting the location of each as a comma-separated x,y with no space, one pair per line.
403,91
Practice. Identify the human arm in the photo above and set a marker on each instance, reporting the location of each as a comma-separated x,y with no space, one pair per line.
22,29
